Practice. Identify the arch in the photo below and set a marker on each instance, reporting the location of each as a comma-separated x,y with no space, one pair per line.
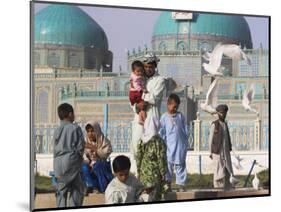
53,59
181,45
162,46
74,59
127,86
37,58
43,106
205,46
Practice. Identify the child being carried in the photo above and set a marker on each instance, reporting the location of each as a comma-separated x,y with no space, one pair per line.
137,87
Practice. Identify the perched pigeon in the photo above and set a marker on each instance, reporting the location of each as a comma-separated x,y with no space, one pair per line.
233,180
256,182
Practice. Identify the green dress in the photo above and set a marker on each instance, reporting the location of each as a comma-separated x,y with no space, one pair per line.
152,165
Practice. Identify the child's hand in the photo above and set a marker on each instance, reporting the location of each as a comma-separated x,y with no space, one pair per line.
147,191
143,192
141,105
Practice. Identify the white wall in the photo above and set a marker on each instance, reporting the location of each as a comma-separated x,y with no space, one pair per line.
45,162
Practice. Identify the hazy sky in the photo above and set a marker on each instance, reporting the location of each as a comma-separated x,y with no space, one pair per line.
128,29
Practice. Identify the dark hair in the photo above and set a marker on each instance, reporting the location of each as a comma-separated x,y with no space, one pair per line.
174,97
64,109
137,63
121,163
88,126
222,107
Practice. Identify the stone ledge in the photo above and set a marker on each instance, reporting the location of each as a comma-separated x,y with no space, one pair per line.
48,200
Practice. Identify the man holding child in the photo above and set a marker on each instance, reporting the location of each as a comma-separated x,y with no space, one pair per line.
149,148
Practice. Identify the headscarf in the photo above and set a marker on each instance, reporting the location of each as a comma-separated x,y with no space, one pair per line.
104,148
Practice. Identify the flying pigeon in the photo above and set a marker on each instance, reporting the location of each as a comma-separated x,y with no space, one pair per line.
238,165
211,98
230,50
248,97
214,61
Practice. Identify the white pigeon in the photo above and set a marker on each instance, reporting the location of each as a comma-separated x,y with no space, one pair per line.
230,50
214,61
256,182
248,97
235,52
238,165
233,180
211,98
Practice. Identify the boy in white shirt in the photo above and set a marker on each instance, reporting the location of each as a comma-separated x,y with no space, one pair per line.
124,188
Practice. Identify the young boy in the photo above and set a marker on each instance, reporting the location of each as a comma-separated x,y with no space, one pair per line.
124,188
137,87
220,148
68,158
173,131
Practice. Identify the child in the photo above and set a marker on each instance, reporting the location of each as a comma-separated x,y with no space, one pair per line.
173,131
137,87
124,188
96,168
68,158
220,148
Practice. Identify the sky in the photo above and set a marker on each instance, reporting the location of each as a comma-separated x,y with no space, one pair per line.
129,28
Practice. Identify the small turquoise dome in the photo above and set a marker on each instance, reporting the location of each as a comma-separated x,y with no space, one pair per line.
68,25
229,26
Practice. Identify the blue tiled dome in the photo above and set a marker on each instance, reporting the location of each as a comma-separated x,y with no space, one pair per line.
230,26
68,25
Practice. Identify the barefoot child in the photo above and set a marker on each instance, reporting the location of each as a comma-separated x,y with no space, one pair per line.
220,148
137,87
68,158
124,188
173,132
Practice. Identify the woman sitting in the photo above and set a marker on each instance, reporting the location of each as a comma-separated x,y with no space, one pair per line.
96,170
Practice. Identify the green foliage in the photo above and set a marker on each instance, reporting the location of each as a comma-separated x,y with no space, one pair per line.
196,181
43,184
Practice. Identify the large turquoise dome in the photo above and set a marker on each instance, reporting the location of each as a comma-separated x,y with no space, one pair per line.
68,25
228,26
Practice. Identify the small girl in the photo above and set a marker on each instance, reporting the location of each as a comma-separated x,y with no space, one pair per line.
96,168
137,87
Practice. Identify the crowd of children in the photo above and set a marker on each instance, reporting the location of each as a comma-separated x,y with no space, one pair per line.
82,165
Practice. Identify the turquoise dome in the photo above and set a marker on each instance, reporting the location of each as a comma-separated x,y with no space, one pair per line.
229,26
68,25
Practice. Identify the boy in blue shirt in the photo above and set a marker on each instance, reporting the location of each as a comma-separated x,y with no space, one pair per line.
173,131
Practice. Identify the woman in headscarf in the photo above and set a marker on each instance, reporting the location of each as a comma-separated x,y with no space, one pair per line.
96,168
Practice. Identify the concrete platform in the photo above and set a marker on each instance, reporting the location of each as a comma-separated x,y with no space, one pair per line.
48,200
